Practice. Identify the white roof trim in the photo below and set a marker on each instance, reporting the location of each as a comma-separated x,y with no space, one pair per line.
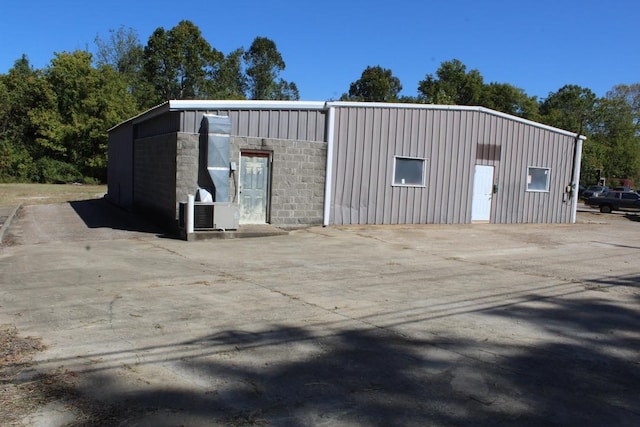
177,105
454,108
182,104
151,112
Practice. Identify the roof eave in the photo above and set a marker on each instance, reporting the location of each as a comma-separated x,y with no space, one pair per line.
179,105
152,112
454,108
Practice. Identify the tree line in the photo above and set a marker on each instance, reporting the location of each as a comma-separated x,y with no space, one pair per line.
610,123
54,121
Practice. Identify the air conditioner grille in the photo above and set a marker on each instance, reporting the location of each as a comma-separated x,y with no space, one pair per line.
203,217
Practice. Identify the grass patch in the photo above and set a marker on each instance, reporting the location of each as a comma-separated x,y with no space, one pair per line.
39,194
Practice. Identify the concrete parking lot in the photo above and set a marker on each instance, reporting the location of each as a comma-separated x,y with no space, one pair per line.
350,326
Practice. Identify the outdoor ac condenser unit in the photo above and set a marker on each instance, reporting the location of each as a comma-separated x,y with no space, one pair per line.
212,216
226,216
216,216
203,216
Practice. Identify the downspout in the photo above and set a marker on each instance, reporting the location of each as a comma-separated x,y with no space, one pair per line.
577,158
329,173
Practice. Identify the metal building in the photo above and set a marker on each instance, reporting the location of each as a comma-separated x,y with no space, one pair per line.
296,163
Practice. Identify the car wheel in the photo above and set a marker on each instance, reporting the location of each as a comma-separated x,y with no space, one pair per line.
605,209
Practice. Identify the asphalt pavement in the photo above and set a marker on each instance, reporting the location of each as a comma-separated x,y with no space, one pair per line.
479,324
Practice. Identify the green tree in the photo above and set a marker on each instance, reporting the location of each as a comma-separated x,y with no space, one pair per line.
26,98
89,101
286,91
123,52
229,81
376,84
179,63
452,84
16,163
263,66
630,95
5,106
509,99
571,108
617,131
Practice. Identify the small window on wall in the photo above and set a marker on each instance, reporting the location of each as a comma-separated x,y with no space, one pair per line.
409,171
538,179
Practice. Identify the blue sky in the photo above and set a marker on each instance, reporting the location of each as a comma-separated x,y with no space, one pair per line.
538,46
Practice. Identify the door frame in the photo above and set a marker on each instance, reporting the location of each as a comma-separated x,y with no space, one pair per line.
491,192
257,153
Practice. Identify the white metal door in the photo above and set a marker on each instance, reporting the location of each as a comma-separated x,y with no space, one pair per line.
482,193
254,188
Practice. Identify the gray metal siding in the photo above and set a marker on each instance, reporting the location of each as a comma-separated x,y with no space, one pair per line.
161,124
452,142
526,146
298,125
365,143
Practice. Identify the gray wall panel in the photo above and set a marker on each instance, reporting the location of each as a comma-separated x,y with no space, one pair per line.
158,125
359,182
452,142
299,125
365,166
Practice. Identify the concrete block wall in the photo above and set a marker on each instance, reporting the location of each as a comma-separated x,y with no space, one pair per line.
166,169
154,177
187,161
297,178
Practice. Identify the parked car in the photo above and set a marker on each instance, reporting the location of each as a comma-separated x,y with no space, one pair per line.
615,201
622,189
581,189
594,190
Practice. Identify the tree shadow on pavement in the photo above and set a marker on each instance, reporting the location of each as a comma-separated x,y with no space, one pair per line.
629,280
581,370
586,372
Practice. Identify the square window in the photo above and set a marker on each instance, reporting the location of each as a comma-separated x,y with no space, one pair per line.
409,171
538,179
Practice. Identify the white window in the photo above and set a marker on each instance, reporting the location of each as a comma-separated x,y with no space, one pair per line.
409,171
538,179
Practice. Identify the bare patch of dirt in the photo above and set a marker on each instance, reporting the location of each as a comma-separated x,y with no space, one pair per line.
15,357
23,391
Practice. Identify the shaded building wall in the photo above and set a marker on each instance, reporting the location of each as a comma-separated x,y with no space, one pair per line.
154,177
120,166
